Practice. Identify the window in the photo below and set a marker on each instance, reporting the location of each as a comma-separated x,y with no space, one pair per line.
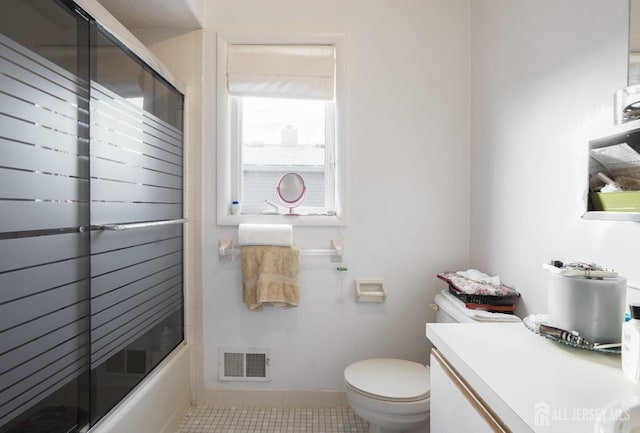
277,113
278,136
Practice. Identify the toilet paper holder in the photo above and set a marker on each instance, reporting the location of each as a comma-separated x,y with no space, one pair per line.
370,291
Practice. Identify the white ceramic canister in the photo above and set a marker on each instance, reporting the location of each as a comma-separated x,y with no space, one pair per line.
593,307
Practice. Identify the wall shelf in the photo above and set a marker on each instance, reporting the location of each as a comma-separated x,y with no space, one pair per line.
611,216
628,133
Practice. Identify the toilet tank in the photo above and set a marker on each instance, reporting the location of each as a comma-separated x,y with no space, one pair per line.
443,317
447,312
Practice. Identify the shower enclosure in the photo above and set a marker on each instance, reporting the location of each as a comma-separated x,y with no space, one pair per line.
91,235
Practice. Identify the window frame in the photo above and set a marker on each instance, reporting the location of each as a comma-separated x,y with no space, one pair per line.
229,164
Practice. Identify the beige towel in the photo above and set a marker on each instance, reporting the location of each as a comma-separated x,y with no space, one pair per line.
270,276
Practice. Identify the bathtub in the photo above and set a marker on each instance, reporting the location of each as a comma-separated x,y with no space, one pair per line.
158,403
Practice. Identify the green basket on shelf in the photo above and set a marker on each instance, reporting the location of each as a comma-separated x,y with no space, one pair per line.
624,201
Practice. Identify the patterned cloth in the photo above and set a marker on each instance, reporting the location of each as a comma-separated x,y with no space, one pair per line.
464,285
270,276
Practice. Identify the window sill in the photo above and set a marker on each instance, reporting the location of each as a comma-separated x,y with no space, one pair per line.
299,220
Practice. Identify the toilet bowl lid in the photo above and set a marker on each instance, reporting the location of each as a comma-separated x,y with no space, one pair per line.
389,379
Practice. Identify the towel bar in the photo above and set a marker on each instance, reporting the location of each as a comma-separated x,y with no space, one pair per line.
143,225
227,251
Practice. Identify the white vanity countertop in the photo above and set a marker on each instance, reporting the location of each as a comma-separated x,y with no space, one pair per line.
530,381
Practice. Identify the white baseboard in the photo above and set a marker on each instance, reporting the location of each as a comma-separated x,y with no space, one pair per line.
241,398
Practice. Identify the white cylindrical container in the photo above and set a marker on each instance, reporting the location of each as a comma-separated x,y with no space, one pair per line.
592,307
630,356
235,208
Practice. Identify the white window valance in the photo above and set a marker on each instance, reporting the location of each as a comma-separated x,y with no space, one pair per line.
286,71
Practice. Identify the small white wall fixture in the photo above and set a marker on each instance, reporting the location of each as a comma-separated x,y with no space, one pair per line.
370,290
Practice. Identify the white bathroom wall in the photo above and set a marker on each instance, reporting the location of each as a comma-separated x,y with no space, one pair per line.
543,75
407,202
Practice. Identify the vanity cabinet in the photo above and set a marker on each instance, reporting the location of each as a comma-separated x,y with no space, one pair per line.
506,378
455,406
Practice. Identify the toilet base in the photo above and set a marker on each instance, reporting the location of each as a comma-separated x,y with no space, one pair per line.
390,417
422,429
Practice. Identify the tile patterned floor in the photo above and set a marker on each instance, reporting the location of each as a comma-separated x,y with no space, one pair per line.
280,420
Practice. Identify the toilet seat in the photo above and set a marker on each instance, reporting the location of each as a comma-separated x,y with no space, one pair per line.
394,380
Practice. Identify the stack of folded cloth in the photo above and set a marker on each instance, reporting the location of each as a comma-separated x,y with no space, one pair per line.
481,291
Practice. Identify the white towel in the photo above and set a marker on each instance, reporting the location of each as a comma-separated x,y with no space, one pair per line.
265,234
479,277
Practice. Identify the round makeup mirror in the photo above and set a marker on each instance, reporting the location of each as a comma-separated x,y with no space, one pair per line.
291,191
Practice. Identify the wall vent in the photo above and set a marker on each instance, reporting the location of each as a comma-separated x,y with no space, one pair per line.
244,364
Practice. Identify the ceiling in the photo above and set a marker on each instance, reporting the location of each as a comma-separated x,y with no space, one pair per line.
142,14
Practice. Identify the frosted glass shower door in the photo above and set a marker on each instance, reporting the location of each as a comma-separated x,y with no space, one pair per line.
91,233
44,218
136,185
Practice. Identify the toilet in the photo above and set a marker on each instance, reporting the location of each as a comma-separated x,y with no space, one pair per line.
392,395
